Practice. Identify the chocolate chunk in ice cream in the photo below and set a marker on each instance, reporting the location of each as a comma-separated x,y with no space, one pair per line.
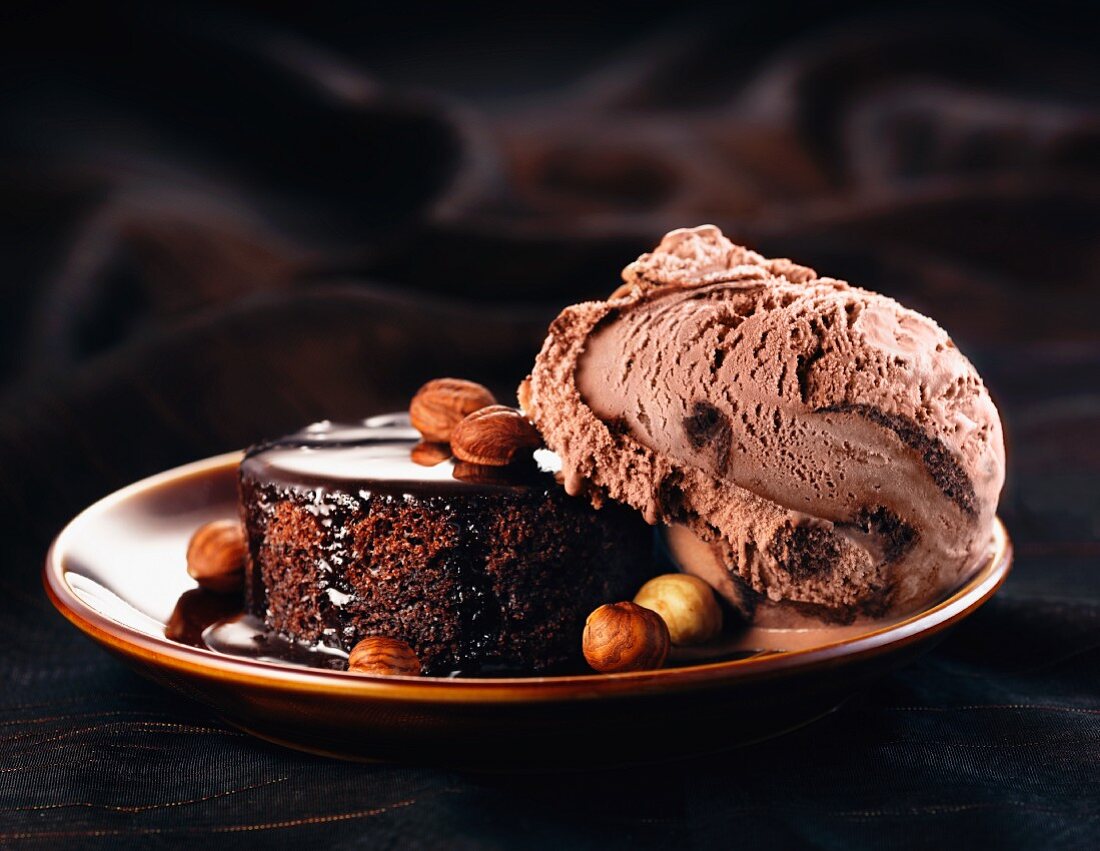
831,452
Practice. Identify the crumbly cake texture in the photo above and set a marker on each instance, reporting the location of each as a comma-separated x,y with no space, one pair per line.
479,582
837,453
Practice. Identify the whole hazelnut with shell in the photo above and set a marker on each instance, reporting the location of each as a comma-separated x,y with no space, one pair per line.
622,637
686,604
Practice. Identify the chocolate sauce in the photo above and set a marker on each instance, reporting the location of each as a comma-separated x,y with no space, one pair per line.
244,635
201,620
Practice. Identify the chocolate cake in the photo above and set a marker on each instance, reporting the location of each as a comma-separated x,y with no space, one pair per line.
479,569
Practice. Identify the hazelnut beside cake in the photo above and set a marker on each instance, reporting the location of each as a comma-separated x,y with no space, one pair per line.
478,569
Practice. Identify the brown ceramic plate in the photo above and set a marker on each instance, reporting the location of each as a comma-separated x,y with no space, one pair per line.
117,572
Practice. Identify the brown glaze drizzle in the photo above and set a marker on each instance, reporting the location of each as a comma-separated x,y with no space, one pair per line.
330,455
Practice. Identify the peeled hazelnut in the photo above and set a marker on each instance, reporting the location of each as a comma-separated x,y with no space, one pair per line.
493,436
442,403
686,604
387,657
625,637
216,556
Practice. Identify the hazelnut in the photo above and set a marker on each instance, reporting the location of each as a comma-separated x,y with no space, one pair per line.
479,474
625,637
686,604
442,403
216,556
492,436
429,454
387,657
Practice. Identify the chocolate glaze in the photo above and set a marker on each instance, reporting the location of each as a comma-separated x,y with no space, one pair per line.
336,456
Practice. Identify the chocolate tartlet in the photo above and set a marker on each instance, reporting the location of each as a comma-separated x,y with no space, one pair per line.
491,572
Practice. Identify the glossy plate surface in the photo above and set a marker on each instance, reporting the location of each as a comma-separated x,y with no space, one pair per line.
117,572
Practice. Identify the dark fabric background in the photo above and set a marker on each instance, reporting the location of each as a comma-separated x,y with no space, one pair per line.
217,224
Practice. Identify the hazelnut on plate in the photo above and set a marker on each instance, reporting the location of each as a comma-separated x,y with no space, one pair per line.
686,604
216,556
624,637
382,656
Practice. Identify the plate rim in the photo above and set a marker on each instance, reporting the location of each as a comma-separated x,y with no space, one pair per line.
161,651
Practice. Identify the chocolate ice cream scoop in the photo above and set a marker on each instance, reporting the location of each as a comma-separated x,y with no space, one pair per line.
816,449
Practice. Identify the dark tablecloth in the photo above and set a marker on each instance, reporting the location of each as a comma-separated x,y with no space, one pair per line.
218,226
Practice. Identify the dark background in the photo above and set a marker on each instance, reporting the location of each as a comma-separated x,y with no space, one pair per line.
218,223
